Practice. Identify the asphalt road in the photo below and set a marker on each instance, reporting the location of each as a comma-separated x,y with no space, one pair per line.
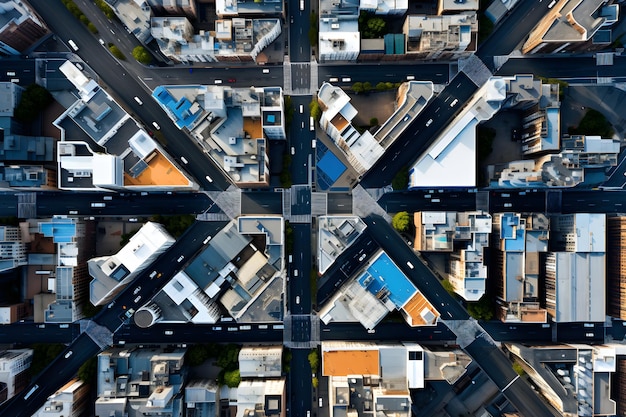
299,282
124,84
299,47
168,264
498,367
28,333
55,375
300,137
438,73
257,202
225,332
421,132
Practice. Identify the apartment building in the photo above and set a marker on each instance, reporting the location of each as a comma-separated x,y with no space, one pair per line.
519,242
12,248
71,400
616,266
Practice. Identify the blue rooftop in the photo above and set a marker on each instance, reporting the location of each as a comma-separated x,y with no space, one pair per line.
61,230
383,276
180,109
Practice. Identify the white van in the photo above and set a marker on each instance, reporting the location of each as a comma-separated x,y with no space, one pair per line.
156,125
73,45
301,109
311,124
138,100
301,4
98,205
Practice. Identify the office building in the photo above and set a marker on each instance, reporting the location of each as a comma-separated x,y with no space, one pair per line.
616,267
12,248
575,278
21,27
111,274
14,364
71,400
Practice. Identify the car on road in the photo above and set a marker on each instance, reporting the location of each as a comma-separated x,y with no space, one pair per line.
346,79
267,70
138,100
232,80
68,354
508,205
137,290
333,79
180,259
454,102
589,335
136,300
209,179
156,125
153,274
182,158
218,81
168,333
429,122
79,66
129,312
301,109
297,299
293,150
101,41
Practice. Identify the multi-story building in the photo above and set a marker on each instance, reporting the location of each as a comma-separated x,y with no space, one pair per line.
441,37
174,7
67,280
14,364
364,377
237,39
10,313
519,240
616,267
339,37
12,248
465,236
133,159
71,400
573,25
111,274
241,268
144,382
21,27
575,268
233,125
574,379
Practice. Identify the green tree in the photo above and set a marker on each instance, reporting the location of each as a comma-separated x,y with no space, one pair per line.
357,87
108,12
288,237
33,101
314,360
289,110
197,355
381,86
92,28
374,121
228,357
175,225
115,51
314,108
142,55
482,309
400,221
88,370
376,28
518,369
401,179
287,355
447,285
313,31
232,378
43,354
593,123
315,382
367,87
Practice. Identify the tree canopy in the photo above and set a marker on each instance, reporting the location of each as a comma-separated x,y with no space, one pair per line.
142,55
33,101
400,221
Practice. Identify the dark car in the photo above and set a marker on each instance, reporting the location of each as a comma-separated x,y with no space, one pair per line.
232,80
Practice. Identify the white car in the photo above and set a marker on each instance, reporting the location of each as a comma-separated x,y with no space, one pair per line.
136,290
266,71
209,179
429,122
138,100
454,102
297,299
181,258
156,125
182,158
169,333
68,354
